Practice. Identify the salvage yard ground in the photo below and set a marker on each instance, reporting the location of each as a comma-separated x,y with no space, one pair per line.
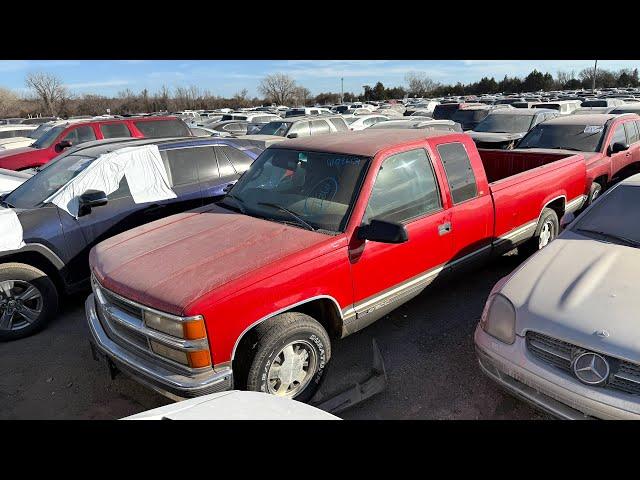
427,346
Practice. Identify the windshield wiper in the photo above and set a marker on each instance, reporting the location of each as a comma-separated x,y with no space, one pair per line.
239,201
619,238
302,222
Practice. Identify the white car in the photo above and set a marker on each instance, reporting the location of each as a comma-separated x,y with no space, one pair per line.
235,405
561,331
10,180
360,122
16,136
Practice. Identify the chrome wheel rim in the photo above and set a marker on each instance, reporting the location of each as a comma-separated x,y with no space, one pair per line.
596,194
292,369
546,234
20,304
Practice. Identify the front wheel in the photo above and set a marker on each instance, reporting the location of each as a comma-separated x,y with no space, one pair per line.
291,355
546,231
28,300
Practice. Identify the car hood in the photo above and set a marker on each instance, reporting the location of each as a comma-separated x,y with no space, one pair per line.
494,136
170,263
15,151
10,180
578,286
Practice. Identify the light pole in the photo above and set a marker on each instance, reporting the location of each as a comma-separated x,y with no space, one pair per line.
595,71
341,89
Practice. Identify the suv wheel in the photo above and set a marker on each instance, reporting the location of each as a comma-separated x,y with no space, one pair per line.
28,300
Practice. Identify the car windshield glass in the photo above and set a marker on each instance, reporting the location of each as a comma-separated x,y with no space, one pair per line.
47,139
319,188
505,124
275,128
466,116
46,182
611,219
38,132
350,120
580,137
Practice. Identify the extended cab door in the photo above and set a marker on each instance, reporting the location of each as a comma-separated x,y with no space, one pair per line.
406,190
622,159
471,209
633,139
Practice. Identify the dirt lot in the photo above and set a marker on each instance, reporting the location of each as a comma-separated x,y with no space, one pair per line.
427,346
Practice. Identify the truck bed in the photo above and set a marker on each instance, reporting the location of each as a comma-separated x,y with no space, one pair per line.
522,182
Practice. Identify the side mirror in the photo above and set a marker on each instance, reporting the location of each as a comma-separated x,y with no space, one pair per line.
292,135
618,147
60,146
566,220
91,199
383,232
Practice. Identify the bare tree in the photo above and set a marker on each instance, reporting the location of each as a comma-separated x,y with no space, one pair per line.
8,102
278,88
419,84
300,95
49,89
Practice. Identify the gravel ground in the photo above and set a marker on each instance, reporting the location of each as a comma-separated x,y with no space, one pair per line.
427,346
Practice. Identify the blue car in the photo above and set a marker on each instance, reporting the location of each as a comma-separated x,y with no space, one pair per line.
44,248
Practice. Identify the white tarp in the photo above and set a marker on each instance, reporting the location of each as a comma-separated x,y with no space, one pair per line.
10,230
142,166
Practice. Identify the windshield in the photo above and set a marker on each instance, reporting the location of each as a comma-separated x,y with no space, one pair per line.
505,123
47,138
45,183
594,103
350,120
275,128
611,219
445,111
581,137
318,188
38,132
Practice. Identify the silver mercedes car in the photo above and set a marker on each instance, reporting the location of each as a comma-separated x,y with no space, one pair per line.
562,331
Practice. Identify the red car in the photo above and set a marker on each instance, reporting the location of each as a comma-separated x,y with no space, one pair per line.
609,143
318,239
67,133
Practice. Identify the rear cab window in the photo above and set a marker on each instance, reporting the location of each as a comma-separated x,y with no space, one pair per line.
459,172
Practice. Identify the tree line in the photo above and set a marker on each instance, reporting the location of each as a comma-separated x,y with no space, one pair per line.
48,95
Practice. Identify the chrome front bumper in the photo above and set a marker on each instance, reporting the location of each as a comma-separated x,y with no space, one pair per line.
549,389
152,373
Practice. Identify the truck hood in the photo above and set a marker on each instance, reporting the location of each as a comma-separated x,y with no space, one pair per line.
495,137
170,263
576,287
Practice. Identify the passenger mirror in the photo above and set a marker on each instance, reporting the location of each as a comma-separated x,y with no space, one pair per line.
566,220
292,135
618,147
60,146
383,232
91,199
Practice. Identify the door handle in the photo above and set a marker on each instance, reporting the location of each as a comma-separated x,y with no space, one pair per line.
444,228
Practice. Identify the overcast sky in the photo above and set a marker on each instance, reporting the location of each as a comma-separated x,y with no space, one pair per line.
226,77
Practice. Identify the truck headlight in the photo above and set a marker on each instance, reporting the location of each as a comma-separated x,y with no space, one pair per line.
499,318
192,329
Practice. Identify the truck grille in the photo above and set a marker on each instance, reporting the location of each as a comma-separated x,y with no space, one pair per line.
624,376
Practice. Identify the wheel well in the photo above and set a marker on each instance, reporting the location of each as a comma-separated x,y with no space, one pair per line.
558,206
602,180
39,261
323,310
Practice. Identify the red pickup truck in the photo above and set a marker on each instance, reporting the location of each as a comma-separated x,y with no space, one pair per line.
609,143
66,133
320,237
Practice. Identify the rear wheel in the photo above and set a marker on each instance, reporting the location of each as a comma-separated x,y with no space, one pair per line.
546,231
290,357
596,190
28,300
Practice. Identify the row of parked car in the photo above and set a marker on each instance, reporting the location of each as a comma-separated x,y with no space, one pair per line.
235,262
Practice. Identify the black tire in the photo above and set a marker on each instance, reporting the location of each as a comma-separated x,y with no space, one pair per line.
26,274
548,218
280,331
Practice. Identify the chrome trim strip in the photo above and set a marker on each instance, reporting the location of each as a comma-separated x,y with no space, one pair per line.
518,231
541,346
400,288
623,376
576,203
289,307
469,255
